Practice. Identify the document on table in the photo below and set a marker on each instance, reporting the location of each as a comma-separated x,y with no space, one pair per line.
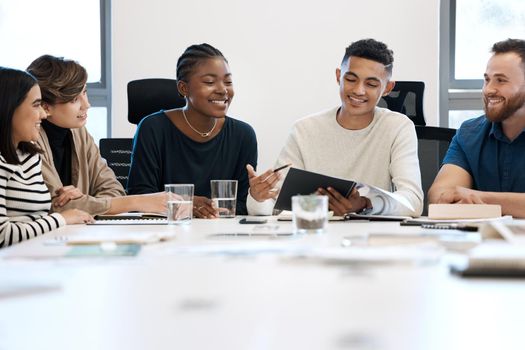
104,250
491,259
428,252
395,200
511,231
236,248
257,231
286,215
425,220
117,238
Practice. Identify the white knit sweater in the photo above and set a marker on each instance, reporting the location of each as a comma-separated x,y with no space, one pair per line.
384,154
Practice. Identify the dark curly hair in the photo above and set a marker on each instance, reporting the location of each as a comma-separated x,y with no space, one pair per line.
372,50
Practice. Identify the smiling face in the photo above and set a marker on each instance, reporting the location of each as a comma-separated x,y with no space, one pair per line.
28,117
362,82
209,89
504,87
69,115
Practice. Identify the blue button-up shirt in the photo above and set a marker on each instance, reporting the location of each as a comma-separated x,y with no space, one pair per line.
495,163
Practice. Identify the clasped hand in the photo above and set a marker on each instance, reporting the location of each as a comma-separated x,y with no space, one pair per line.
66,194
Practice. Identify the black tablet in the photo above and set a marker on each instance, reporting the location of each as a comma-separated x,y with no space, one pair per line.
304,182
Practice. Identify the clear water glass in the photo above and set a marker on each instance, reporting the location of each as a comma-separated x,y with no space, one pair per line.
224,197
180,203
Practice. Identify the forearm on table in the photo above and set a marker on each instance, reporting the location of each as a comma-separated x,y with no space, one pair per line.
125,204
511,203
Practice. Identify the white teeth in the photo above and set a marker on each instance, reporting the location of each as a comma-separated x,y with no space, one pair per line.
494,100
357,100
219,101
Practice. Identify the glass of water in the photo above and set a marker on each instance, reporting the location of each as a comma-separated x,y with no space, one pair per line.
309,213
224,197
180,203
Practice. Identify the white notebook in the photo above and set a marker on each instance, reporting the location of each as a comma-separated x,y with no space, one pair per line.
463,211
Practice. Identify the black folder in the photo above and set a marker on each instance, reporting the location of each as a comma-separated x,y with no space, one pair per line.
304,182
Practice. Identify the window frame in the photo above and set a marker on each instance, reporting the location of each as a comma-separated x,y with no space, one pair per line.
454,83
99,93
454,94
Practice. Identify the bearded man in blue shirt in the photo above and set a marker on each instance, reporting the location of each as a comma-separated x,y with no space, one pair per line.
485,162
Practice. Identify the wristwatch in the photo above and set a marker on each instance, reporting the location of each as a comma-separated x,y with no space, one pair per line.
365,211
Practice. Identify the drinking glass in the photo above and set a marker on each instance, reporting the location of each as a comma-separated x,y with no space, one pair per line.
180,203
224,197
309,213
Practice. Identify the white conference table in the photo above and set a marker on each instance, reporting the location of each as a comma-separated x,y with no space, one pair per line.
203,292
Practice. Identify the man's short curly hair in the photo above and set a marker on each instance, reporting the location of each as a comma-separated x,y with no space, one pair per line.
372,50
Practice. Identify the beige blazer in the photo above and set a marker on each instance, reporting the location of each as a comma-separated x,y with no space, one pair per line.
90,174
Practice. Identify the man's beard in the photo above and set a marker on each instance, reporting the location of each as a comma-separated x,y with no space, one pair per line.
508,108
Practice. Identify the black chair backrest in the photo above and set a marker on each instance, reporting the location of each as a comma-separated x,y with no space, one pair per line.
433,144
117,153
147,96
407,98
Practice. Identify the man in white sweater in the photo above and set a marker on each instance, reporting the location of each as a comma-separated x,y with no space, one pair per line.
357,141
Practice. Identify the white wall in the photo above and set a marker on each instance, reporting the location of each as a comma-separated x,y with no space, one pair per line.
283,54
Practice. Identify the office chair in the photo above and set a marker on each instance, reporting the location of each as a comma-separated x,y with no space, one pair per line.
433,144
117,153
147,96
407,98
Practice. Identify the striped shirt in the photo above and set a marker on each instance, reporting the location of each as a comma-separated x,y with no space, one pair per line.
24,201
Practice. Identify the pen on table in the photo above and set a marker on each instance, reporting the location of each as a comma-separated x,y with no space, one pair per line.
451,226
282,167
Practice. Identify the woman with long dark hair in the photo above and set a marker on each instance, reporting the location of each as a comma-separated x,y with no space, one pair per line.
24,198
